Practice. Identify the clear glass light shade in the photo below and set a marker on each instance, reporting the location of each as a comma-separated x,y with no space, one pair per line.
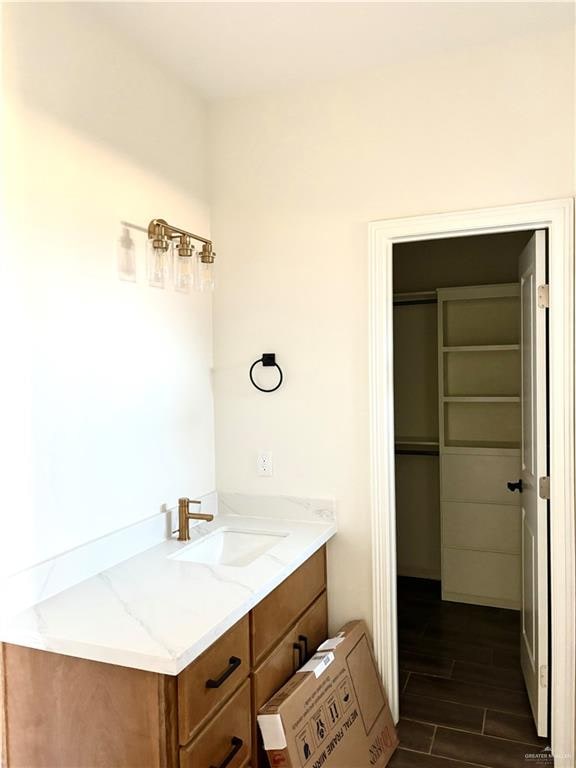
158,264
205,275
184,272
126,256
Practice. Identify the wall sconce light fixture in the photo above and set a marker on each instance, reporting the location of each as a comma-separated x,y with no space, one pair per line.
126,253
172,255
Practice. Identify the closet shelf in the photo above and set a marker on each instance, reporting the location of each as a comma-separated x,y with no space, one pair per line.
480,399
483,348
402,440
416,446
415,297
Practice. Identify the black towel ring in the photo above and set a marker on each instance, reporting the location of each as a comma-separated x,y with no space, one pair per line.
268,360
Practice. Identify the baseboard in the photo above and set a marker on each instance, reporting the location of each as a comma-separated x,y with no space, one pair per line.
455,597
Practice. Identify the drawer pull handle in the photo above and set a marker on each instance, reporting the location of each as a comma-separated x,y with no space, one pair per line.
237,745
233,663
303,639
297,647
515,486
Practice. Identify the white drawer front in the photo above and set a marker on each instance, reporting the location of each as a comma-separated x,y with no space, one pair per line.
493,527
478,477
489,578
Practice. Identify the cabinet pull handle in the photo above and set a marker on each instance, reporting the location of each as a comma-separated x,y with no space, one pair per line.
233,663
237,745
515,486
303,639
298,647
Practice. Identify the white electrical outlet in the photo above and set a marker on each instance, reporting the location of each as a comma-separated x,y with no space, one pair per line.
265,464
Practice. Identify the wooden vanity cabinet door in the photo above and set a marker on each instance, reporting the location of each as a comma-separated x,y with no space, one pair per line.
282,663
271,618
74,713
213,745
226,664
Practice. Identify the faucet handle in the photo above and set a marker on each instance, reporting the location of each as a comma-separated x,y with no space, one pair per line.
184,501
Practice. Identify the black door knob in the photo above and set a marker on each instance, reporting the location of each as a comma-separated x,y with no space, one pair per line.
515,486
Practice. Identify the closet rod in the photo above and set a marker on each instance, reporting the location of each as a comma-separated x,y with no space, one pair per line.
401,303
415,297
406,452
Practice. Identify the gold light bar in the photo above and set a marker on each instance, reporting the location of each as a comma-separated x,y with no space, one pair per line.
160,233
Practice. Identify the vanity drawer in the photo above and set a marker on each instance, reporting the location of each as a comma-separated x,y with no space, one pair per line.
210,679
271,618
227,737
284,659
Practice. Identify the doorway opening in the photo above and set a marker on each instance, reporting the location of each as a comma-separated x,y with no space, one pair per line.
556,218
472,549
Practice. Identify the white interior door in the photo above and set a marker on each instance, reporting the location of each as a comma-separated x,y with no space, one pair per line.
534,462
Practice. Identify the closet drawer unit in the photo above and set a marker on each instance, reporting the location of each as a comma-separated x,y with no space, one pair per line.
227,740
271,618
485,578
479,477
284,659
210,679
492,527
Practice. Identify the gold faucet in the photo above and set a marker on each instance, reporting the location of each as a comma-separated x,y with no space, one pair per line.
184,516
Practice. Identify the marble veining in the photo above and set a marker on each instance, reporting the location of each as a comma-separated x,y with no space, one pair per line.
39,582
285,507
109,582
157,613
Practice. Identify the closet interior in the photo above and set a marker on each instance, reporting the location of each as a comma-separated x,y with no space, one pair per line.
457,415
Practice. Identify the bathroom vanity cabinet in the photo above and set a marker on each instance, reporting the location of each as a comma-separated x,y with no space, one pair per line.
74,713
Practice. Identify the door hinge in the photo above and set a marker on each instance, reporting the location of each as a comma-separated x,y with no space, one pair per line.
544,296
544,676
544,487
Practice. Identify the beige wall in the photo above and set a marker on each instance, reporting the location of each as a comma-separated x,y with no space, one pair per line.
106,399
106,386
296,177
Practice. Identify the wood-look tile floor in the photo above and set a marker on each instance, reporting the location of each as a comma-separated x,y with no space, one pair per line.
463,702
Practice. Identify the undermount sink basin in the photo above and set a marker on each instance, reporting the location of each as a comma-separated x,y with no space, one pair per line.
228,546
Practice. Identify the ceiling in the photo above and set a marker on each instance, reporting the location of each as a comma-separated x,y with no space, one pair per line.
228,49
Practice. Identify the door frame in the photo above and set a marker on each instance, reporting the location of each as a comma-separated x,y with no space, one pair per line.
557,216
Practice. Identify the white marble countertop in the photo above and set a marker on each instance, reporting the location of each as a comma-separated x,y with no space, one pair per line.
156,613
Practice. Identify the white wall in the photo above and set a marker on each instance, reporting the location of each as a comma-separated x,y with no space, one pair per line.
106,399
297,176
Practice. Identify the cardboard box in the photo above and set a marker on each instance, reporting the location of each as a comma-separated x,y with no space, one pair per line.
333,712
